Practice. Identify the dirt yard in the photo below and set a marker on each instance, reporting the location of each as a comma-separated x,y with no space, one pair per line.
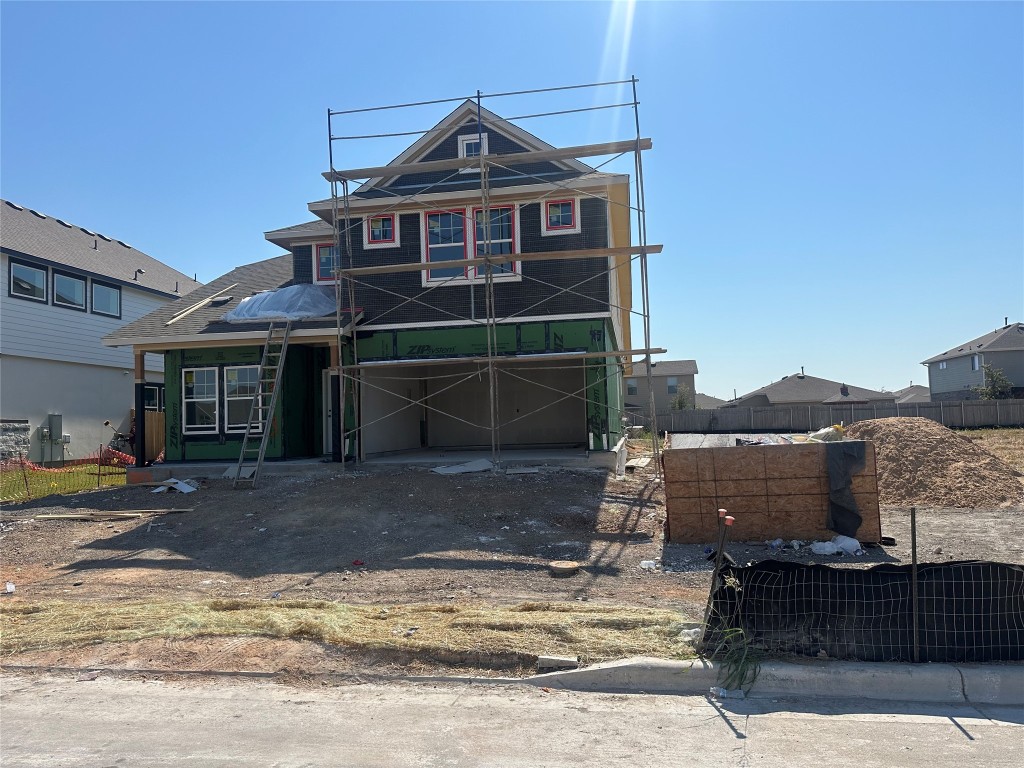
394,536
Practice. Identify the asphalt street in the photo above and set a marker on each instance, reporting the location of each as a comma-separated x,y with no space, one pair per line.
62,721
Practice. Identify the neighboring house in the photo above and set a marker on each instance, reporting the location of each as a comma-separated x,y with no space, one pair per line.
65,287
798,389
669,378
708,402
915,393
957,373
414,327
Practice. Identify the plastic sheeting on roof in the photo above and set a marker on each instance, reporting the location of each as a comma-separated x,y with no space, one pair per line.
296,302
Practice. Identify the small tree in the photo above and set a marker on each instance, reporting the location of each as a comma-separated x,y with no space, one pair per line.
682,401
997,386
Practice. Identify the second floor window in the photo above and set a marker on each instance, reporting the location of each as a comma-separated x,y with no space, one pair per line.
631,388
975,363
502,237
68,291
381,231
446,242
673,385
27,282
560,217
326,262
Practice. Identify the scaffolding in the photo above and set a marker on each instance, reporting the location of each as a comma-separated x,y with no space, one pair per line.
488,260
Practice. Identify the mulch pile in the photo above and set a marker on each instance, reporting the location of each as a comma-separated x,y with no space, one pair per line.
922,463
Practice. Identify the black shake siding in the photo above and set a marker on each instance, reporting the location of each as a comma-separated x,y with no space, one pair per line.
587,278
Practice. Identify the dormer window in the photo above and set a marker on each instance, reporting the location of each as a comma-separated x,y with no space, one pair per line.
381,231
472,145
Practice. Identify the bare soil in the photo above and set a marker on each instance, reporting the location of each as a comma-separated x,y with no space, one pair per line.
395,535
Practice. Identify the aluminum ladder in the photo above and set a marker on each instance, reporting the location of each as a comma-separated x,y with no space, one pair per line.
261,412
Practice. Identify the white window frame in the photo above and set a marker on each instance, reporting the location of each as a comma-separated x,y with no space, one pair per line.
467,225
478,274
472,138
975,362
93,285
84,306
942,365
10,284
394,242
185,400
575,229
632,385
159,390
672,385
240,428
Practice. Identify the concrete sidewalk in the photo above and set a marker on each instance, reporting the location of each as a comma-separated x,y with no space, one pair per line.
949,683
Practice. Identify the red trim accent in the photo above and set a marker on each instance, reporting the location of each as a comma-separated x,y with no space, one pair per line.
369,229
512,216
465,238
547,219
316,258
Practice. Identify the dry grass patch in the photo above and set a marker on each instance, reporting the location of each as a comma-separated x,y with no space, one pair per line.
1004,444
522,632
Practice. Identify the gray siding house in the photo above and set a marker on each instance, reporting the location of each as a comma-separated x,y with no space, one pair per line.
668,377
63,288
957,373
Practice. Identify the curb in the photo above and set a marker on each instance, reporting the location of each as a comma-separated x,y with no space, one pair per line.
935,683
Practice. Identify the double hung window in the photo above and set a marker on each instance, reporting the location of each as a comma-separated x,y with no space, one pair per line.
502,237
199,396
446,242
326,261
240,386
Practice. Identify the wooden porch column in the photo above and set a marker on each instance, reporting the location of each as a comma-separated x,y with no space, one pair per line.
140,408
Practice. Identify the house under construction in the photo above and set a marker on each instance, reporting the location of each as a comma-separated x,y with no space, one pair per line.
476,292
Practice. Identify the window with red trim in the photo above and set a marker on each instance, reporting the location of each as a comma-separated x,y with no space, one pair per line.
502,236
326,261
561,214
446,242
381,229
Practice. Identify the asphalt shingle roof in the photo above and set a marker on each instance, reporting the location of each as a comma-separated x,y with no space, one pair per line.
28,233
916,393
667,368
1006,339
800,388
267,275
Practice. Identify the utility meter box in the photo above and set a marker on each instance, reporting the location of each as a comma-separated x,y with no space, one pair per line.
56,423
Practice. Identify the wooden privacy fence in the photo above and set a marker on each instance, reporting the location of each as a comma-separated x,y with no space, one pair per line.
806,418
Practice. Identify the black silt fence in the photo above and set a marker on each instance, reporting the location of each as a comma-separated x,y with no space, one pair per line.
966,611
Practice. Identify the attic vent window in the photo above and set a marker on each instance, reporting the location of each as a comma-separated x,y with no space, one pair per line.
104,237
15,206
122,242
36,213
63,223
472,145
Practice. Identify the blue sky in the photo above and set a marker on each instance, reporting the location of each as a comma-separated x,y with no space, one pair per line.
837,185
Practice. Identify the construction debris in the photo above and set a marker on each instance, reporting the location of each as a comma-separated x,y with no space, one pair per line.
479,465
922,463
173,484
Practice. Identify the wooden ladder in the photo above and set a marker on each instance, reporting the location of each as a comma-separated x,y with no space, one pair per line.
261,412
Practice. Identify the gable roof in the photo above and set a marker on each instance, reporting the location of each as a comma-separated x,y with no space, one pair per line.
285,235
667,368
268,275
29,234
800,388
1009,338
707,401
461,115
915,393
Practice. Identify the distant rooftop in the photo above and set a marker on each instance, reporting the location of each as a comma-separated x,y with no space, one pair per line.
1006,339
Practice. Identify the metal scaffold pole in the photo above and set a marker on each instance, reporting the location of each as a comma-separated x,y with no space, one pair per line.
488,263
